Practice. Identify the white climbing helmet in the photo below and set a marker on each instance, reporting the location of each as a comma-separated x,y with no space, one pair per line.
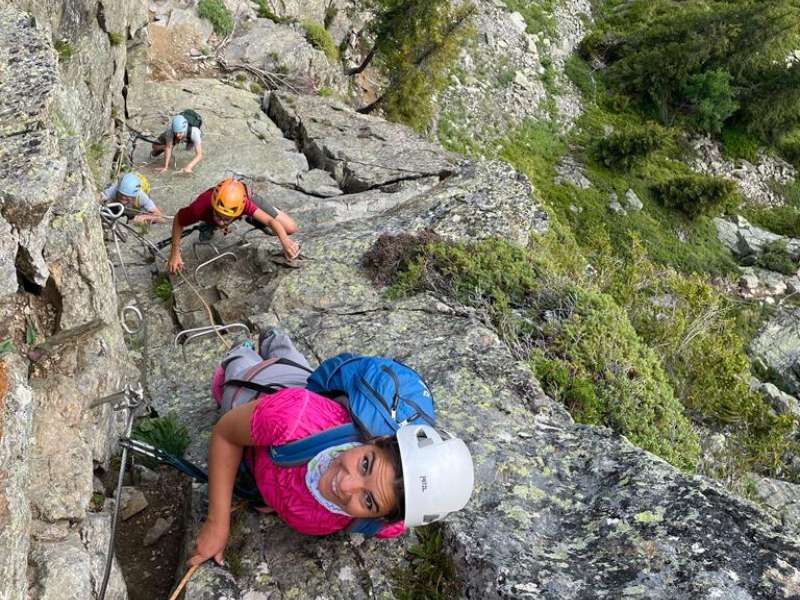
179,124
438,475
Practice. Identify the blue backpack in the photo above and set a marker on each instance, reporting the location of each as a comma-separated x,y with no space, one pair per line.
381,394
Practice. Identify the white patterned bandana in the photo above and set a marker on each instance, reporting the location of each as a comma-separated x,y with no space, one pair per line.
317,467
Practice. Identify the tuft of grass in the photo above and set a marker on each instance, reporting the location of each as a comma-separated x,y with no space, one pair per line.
431,573
321,39
738,144
115,38
265,12
775,257
164,432
218,14
325,91
30,332
65,50
6,346
256,88
162,287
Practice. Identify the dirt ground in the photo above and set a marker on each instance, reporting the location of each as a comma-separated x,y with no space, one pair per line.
150,571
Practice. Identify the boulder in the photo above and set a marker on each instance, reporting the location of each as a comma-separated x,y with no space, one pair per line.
362,152
781,498
776,347
782,403
282,48
633,201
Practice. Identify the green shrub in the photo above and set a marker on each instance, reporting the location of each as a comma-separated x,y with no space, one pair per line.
775,257
64,49
115,38
711,99
321,39
622,148
218,14
695,195
265,12
166,433
162,287
578,339
783,220
325,91
431,573
331,11
256,88
789,146
738,143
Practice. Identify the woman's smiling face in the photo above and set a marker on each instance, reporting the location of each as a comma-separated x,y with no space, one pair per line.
360,481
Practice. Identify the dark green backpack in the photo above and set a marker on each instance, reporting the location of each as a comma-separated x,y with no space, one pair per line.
192,117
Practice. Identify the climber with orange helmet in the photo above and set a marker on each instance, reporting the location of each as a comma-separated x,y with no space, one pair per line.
221,205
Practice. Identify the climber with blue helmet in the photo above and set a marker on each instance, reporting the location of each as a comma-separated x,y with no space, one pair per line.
132,191
184,127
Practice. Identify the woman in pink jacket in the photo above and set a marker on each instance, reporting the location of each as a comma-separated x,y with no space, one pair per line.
338,485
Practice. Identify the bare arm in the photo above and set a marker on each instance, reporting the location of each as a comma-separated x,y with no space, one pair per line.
175,261
231,434
290,248
167,156
153,216
198,156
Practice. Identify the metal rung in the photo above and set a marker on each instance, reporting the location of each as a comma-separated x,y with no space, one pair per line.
211,261
196,244
198,332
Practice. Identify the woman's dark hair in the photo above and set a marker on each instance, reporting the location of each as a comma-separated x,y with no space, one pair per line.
389,445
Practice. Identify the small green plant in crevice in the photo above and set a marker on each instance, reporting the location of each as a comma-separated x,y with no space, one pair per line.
431,573
775,257
65,50
331,12
325,91
162,287
30,332
6,346
321,39
392,254
94,157
217,14
115,38
166,433
265,12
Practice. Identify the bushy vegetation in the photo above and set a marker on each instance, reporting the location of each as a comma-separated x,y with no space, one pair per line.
416,43
622,148
217,14
166,433
162,287
707,63
695,195
567,332
737,143
65,50
431,573
321,39
775,257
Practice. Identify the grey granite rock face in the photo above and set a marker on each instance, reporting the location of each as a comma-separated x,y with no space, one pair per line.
745,240
283,48
777,347
55,275
559,510
362,152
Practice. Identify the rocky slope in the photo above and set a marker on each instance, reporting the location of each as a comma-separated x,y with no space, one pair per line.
560,510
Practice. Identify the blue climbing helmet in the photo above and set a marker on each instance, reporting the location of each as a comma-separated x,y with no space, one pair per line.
179,124
130,185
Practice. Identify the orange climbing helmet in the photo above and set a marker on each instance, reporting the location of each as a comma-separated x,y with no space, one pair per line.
229,197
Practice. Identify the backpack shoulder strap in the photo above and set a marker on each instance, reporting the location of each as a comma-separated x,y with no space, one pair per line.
299,452
369,527
267,388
